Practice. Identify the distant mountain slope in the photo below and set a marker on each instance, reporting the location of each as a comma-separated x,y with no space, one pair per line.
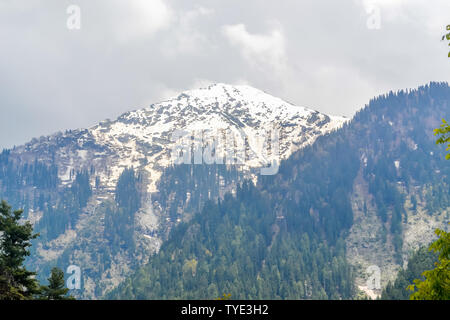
242,247
419,262
380,185
381,181
68,182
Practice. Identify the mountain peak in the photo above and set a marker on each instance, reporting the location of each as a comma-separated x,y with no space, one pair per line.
143,138
222,91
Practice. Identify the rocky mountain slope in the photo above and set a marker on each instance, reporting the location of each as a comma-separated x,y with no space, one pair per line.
390,190
144,140
366,195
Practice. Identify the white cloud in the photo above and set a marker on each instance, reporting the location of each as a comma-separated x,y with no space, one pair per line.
260,50
143,18
186,37
414,12
320,54
166,93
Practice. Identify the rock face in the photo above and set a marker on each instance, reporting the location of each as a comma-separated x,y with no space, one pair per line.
368,243
144,139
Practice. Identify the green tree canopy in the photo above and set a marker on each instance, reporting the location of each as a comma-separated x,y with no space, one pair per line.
16,282
447,37
56,289
444,136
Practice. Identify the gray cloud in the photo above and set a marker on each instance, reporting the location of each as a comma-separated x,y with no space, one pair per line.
128,54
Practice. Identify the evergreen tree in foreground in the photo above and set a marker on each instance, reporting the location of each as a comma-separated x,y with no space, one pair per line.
56,289
16,282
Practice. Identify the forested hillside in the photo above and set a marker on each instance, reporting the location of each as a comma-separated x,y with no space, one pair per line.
419,262
239,247
382,171
386,167
68,182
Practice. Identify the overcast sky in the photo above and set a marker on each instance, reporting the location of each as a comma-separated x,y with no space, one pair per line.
332,56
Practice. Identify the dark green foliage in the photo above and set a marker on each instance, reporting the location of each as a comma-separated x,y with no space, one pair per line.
127,195
444,136
119,216
118,232
315,184
56,289
19,182
288,231
119,227
14,175
81,189
239,246
420,261
202,182
436,285
16,282
63,214
35,185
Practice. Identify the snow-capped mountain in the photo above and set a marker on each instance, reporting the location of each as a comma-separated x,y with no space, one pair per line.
379,179
144,139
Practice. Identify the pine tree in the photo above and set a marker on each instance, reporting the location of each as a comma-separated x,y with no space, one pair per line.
56,289
16,282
